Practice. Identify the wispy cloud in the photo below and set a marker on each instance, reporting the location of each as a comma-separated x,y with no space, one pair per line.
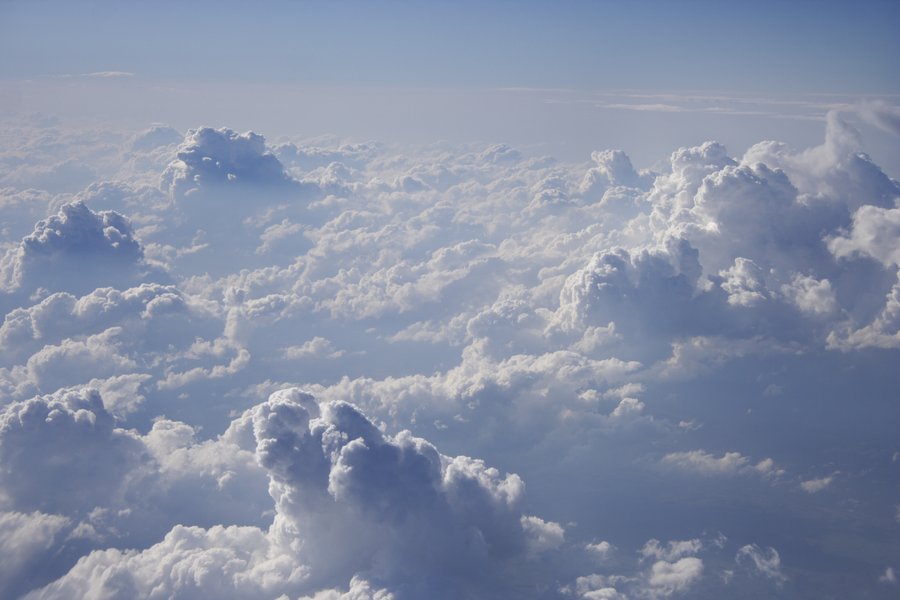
99,75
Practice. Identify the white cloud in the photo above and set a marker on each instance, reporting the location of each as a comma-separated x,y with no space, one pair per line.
573,322
813,486
601,549
77,250
667,578
730,463
318,347
25,539
875,233
671,551
766,562
348,499
63,454
216,157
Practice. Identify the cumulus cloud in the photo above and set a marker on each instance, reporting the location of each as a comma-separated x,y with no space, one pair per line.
118,341
74,250
602,549
667,578
875,233
586,325
209,158
62,453
349,500
318,347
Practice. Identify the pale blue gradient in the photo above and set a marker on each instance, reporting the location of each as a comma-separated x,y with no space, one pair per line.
760,46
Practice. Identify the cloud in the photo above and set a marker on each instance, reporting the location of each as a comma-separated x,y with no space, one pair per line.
209,158
612,168
875,233
222,561
75,250
667,578
103,74
587,325
154,137
881,114
349,500
119,341
813,486
601,549
766,562
25,538
672,551
406,511
318,347
62,453
730,463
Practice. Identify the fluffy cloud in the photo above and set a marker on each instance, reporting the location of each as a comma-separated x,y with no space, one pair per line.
215,157
667,578
63,454
74,250
392,507
816,485
349,500
875,233
592,327
116,340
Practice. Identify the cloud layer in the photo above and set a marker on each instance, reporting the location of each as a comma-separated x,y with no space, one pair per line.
328,369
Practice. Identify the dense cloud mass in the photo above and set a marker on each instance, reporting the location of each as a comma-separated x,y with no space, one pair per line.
341,370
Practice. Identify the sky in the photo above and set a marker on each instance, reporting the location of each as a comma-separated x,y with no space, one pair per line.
401,300
769,47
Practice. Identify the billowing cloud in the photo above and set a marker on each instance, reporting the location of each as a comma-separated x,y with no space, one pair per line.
75,250
210,159
644,348
349,500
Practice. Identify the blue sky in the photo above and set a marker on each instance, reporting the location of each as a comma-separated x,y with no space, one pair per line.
415,72
764,46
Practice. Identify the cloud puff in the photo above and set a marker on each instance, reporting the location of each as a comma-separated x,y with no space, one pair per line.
75,250
210,159
225,187
612,168
62,453
730,463
116,340
813,486
154,137
875,233
390,506
190,562
667,578
349,500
